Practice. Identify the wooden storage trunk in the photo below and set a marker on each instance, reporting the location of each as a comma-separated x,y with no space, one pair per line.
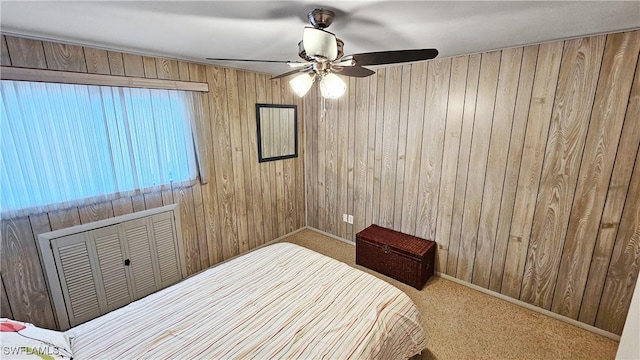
404,257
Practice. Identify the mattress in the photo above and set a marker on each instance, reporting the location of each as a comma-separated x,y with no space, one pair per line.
280,301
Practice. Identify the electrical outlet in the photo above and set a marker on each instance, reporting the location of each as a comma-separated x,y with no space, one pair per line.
345,218
350,219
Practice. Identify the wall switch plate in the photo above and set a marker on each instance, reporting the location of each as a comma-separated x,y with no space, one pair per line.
350,219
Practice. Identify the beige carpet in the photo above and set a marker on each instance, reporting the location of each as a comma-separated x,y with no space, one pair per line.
462,323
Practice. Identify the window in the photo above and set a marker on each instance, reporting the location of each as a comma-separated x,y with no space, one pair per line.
64,143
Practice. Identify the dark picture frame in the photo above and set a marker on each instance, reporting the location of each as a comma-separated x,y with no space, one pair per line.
277,131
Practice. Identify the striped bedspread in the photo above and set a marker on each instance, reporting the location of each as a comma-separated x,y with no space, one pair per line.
282,301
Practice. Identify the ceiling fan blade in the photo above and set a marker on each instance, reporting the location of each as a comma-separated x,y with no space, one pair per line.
354,71
263,61
296,71
298,64
394,56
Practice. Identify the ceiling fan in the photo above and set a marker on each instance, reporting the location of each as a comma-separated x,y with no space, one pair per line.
323,57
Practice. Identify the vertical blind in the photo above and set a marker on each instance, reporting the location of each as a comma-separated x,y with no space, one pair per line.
64,144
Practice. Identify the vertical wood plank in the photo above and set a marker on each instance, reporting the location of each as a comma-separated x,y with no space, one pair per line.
468,115
432,146
453,134
97,61
321,163
607,117
625,263
405,103
168,69
271,166
64,218
201,230
185,75
255,200
539,118
222,150
516,144
5,60
487,85
569,122
152,200
391,129
184,197
300,163
614,205
378,144
122,206
22,275
350,235
26,52
277,165
331,173
266,179
235,132
39,225
167,198
116,63
371,150
133,65
95,212
342,137
149,64
212,222
289,168
64,57
245,139
361,133
138,203
311,158
417,94
505,104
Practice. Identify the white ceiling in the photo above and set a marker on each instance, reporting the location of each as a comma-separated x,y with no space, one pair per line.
194,30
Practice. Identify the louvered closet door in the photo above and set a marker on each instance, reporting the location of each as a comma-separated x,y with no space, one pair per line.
78,276
143,264
109,245
165,237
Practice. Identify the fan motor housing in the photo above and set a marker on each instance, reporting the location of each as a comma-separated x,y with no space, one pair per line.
321,18
303,54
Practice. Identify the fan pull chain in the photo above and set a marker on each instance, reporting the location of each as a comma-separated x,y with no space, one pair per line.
323,104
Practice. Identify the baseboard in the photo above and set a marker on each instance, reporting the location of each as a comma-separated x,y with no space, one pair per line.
546,312
331,235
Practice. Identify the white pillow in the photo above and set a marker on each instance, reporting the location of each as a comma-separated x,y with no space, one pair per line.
20,340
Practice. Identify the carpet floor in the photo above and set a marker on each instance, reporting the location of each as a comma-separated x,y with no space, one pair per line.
462,323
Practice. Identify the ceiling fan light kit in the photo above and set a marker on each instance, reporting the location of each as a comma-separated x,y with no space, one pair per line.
331,86
323,57
302,83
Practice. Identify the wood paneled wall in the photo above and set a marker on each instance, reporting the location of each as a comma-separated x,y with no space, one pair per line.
521,164
245,204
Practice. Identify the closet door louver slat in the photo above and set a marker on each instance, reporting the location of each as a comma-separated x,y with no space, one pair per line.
140,254
79,290
167,249
110,254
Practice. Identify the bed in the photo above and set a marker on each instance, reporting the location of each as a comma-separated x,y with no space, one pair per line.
280,301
